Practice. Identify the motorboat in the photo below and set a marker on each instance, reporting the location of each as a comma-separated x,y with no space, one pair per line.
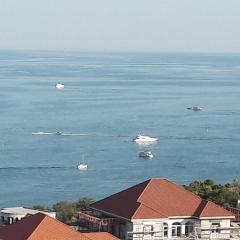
195,108
82,166
47,133
144,139
60,85
58,133
146,154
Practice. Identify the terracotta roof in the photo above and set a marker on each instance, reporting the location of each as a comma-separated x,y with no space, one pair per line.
158,198
42,227
100,236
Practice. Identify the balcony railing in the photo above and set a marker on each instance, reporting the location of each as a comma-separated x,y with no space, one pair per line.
102,221
236,212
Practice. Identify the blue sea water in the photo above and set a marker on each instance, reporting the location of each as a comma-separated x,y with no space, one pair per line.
109,98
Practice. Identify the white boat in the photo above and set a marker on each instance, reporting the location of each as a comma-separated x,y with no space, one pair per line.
195,108
146,154
82,166
59,86
144,139
47,133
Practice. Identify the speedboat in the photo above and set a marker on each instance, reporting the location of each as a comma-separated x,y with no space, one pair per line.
195,108
146,154
143,139
59,85
47,133
82,166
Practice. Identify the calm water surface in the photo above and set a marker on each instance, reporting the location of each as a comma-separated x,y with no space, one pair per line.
109,98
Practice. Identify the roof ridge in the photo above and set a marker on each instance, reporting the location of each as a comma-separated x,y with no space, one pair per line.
124,190
149,181
207,202
173,183
57,221
37,225
215,205
183,188
149,208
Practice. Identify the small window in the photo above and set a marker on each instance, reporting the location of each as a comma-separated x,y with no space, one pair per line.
148,228
165,229
215,227
189,228
176,229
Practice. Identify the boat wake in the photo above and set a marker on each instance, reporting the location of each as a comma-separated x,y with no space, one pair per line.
62,134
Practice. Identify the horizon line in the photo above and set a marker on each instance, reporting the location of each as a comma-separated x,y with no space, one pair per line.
121,51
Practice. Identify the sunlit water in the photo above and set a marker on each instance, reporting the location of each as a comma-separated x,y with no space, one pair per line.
107,100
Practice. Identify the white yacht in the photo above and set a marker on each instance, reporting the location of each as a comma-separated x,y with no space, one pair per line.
143,139
146,154
60,86
195,108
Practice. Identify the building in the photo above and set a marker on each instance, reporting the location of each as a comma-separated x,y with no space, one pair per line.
157,209
14,214
43,227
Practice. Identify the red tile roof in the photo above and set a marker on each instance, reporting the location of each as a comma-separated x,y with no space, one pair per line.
158,198
42,227
100,236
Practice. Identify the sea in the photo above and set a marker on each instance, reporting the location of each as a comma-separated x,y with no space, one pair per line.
108,99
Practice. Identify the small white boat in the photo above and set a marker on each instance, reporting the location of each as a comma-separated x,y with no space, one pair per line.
146,154
59,86
47,133
143,139
195,108
82,166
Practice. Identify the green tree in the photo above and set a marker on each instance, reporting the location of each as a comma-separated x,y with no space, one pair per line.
40,207
225,195
65,211
84,203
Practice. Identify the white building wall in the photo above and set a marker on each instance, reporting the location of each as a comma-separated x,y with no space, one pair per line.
140,227
210,233
10,215
147,229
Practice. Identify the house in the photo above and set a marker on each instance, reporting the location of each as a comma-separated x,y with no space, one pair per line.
157,209
14,214
43,227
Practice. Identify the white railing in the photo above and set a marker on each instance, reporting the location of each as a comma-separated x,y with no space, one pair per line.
204,234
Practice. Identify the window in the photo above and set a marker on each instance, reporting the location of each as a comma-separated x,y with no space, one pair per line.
148,228
189,228
176,229
165,229
215,227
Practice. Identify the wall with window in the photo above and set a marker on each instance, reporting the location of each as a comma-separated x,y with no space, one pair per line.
181,227
214,228
164,228
147,229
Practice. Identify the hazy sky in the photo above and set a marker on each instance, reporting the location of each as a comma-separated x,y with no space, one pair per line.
121,25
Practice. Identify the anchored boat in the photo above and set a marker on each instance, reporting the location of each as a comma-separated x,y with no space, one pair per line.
144,139
146,154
